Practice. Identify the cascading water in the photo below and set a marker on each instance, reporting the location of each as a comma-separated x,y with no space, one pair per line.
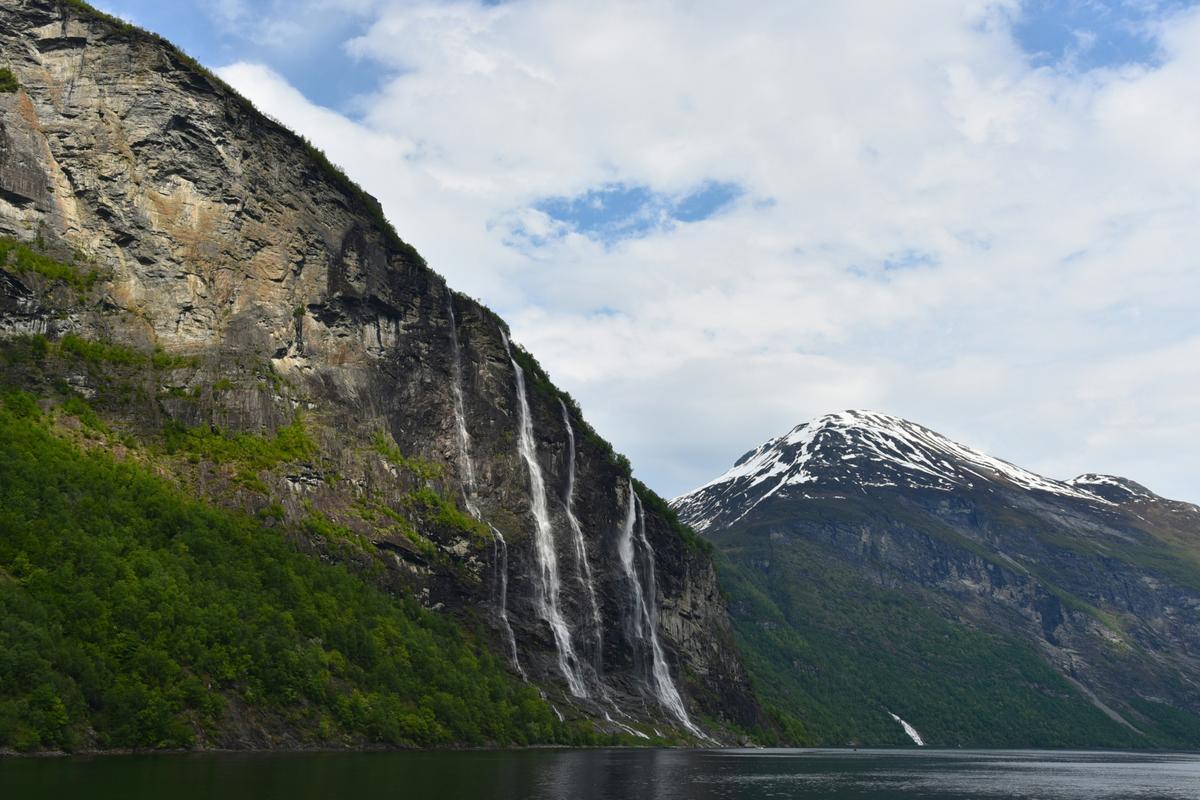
548,582
500,562
583,568
467,465
460,417
646,613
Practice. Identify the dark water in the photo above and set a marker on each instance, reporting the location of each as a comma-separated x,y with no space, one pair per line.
612,775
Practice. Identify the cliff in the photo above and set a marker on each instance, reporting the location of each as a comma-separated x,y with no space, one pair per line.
246,322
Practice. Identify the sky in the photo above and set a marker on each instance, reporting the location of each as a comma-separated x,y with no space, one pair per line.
711,221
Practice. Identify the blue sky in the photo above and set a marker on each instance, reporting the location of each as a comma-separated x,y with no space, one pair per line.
1084,34
1091,34
712,222
218,32
305,44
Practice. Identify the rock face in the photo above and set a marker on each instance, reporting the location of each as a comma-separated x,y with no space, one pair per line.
221,239
953,566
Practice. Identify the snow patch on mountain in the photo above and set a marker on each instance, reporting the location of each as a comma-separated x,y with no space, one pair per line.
1113,488
863,450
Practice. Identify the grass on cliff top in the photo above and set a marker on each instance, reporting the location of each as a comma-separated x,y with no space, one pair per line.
540,382
132,615
8,81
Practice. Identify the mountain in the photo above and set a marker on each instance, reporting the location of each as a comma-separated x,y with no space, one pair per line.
419,534
880,573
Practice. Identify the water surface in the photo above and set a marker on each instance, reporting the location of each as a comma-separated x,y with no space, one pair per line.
613,775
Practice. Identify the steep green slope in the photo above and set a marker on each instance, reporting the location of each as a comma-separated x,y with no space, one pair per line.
839,653
877,568
134,616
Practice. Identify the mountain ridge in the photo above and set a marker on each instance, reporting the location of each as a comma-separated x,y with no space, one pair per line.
1092,584
940,463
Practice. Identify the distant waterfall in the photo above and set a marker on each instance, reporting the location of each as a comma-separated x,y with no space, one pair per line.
909,731
583,568
460,418
646,613
499,546
500,561
548,583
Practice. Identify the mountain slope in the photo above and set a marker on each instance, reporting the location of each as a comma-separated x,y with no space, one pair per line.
229,304
878,568
133,616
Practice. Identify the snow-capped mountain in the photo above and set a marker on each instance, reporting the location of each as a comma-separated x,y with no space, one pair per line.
883,577
856,451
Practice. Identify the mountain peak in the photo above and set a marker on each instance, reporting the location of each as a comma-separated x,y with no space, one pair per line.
1112,487
857,450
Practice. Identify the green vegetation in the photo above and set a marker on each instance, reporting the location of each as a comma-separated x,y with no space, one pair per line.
656,505
421,469
424,503
18,257
134,616
8,81
79,408
433,508
837,651
402,525
99,353
1174,561
249,453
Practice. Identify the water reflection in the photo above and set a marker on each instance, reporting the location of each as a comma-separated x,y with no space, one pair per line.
612,775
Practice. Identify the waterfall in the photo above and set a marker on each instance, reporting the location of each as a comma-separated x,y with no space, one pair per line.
548,583
499,546
909,731
583,568
646,613
460,418
500,581
624,727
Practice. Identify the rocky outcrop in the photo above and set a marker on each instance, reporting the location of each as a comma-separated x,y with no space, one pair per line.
277,293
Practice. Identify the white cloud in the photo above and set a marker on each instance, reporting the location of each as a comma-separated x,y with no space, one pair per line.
1059,210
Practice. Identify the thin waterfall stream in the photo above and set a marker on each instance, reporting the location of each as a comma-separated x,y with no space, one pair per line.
467,465
583,567
646,619
548,580
500,561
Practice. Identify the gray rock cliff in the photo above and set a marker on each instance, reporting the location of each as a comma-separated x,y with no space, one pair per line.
275,292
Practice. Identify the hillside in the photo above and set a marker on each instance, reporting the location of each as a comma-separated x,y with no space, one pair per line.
876,568
226,311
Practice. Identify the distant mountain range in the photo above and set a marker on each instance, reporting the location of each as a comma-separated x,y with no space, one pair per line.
881,574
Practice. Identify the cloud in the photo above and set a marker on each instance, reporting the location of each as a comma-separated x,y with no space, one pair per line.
931,222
